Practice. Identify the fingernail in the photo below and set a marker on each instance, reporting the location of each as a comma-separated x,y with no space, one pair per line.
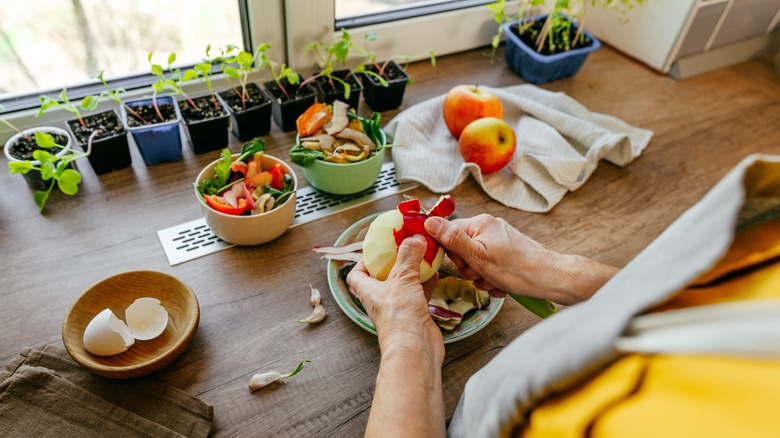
418,238
433,225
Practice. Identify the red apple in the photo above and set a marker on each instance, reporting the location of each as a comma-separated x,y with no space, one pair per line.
489,142
466,103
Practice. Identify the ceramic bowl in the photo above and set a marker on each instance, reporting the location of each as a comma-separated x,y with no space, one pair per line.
257,228
117,293
33,179
345,179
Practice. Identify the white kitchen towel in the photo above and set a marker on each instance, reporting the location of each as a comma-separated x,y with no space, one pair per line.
559,145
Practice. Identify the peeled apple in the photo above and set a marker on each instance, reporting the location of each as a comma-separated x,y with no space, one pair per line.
389,229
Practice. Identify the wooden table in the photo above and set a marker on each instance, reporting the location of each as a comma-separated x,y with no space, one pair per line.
250,297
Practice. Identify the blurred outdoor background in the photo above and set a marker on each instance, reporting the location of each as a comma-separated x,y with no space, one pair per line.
48,44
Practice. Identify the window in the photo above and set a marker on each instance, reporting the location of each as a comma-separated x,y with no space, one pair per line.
71,41
408,27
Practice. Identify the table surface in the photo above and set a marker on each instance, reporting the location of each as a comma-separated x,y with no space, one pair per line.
250,297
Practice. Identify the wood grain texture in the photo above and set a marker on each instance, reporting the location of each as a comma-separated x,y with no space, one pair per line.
250,297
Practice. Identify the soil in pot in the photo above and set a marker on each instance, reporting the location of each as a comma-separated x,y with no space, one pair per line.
252,118
150,116
207,125
206,109
531,33
332,90
384,98
287,107
110,150
25,146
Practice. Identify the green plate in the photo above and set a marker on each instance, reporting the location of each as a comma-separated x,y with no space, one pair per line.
473,322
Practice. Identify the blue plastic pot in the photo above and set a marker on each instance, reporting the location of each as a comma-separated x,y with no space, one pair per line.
536,68
156,142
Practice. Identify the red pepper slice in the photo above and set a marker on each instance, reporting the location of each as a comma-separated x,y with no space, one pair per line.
219,204
277,180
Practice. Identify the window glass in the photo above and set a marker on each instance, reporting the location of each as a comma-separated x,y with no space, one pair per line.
48,44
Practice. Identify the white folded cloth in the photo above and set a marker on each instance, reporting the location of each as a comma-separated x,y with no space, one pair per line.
559,145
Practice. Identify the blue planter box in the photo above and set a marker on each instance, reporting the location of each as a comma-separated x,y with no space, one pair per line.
156,142
536,68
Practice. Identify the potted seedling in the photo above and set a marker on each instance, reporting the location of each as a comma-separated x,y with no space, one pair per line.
52,169
205,119
335,84
110,150
384,83
290,97
550,46
249,106
22,145
155,124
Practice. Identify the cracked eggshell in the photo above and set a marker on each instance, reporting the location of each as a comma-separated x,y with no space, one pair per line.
146,318
107,335
380,251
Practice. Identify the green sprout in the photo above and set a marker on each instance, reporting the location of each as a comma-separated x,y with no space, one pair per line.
115,95
53,167
329,56
246,63
291,75
88,103
171,82
370,56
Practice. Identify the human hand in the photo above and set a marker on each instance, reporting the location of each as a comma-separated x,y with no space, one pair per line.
398,306
500,259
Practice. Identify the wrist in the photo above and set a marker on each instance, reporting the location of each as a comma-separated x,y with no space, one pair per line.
423,342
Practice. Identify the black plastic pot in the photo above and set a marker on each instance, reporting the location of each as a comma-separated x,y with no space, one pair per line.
109,152
157,142
384,98
209,134
252,121
328,94
285,111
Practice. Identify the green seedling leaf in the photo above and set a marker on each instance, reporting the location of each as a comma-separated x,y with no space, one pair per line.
20,166
232,72
157,70
190,75
90,103
68,181
171,58
40,198
44,140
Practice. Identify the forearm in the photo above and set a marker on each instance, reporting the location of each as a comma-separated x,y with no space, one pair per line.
408,399
577,278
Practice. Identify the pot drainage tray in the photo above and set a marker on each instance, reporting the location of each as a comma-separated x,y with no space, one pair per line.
194,239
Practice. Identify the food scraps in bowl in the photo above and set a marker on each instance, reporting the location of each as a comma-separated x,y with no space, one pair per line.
243,186
335,134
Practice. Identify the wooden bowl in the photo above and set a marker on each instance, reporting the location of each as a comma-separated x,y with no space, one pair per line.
117,293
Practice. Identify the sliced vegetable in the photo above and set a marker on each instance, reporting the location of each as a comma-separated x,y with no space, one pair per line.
312,120
339,119
219,204
277,177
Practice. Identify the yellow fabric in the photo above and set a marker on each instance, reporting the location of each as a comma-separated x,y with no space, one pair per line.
677,395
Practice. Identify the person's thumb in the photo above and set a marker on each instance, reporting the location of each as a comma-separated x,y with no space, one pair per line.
449,235
410,254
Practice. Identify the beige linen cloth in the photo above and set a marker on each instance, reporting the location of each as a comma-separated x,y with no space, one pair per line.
559,145
44,393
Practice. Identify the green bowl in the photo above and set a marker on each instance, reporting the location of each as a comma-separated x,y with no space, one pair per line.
345,179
